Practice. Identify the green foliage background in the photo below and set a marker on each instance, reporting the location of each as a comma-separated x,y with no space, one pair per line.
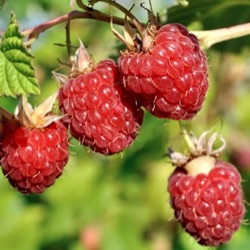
124,197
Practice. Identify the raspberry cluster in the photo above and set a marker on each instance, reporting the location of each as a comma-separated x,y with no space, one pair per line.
164,71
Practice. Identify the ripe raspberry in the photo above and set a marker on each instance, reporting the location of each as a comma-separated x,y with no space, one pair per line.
168,72
101,114
34,146
34,158
206,195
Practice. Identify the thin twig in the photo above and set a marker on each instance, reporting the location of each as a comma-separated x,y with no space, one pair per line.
68,40
81,5
139,26
207,37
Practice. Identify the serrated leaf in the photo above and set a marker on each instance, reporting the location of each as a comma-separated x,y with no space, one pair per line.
16,71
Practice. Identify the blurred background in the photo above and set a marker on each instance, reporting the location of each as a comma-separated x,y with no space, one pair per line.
120,202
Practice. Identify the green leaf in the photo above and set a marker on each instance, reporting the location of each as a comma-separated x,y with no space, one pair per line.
206,9
16,71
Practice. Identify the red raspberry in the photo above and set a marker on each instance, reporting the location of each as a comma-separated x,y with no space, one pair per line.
168,72
206,195
33,157
101,114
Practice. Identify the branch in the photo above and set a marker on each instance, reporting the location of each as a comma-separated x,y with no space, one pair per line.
208,38
34,32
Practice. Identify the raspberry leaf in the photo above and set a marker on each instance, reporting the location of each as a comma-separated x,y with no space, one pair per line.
16,71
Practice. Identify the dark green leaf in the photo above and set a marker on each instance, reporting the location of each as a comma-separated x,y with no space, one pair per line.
213,15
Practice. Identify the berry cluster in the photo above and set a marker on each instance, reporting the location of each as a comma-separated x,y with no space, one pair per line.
163,71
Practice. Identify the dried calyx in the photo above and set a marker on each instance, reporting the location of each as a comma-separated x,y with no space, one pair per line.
82,63
202,156
38,117
140,39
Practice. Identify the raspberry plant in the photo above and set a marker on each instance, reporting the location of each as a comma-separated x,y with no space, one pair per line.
108,101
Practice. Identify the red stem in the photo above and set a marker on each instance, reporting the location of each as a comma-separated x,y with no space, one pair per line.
34,32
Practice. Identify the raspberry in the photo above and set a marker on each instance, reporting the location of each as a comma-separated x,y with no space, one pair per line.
34,146
168,73
100,114
34,157
206,196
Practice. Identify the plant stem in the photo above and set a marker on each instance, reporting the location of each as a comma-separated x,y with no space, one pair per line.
68,40
81,5
208,38
34,32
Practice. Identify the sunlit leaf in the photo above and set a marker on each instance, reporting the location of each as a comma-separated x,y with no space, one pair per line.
16,71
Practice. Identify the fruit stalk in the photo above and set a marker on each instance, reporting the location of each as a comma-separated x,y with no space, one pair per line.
81,5
140,27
